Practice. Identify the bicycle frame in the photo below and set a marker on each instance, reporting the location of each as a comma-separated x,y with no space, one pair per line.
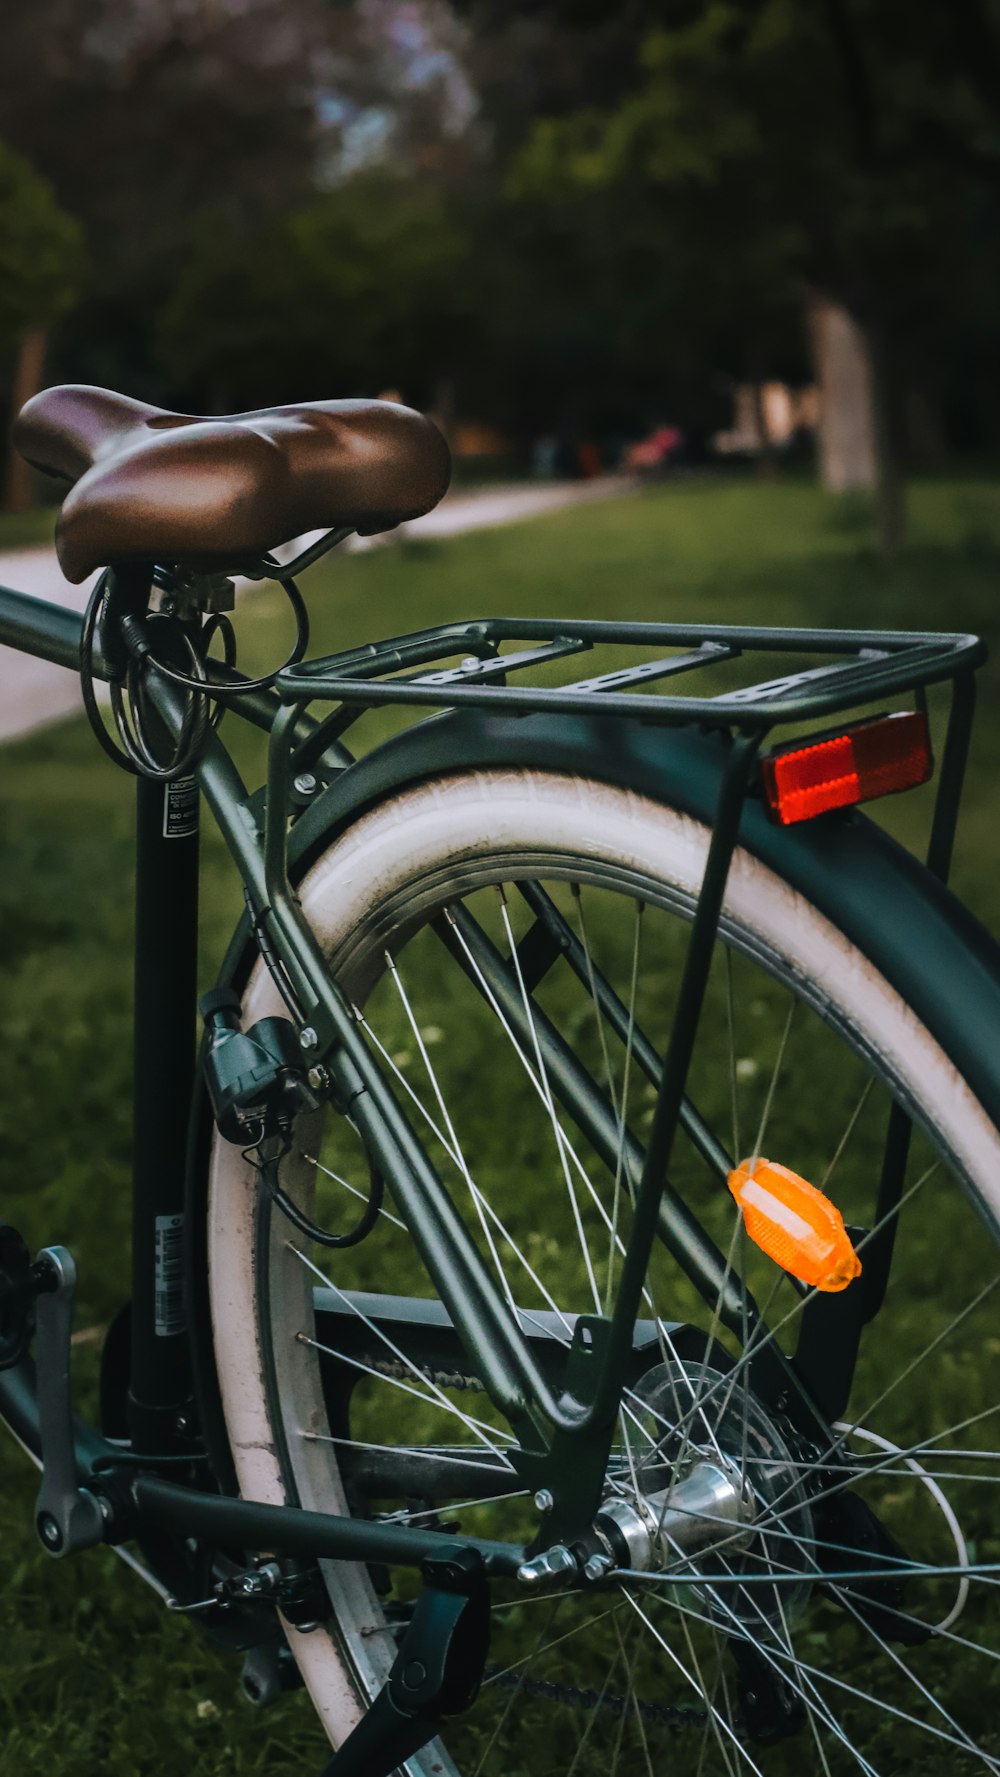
564,1437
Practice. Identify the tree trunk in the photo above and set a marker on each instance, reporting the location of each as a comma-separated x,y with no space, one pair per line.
767,456
857,446
846,411
29,366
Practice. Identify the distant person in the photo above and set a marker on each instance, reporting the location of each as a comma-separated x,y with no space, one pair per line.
589,459
545,457
656,452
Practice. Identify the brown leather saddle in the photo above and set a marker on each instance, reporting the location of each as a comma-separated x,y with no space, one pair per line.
172,487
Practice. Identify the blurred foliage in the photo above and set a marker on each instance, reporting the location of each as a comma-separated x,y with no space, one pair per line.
138,112
148,117
785,145
362,287
40,250
575,216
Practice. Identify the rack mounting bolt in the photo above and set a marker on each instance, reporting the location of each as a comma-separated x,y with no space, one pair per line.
544,1500
308,1038
49,1531
597,1567
305,783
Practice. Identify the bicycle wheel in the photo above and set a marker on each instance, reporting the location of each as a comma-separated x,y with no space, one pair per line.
850,1622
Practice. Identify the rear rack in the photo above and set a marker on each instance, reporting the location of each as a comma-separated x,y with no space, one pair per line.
870,664
867,666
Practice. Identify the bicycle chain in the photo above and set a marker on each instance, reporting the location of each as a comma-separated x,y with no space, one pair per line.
397,1371
670,1715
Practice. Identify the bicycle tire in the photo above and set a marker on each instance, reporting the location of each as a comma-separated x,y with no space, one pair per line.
401,862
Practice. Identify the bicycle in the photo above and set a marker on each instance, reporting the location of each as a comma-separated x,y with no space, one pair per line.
480,1036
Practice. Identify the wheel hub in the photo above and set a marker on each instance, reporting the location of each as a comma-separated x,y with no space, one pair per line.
708,1505
716,1490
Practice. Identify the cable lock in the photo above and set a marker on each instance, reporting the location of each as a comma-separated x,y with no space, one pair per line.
122,631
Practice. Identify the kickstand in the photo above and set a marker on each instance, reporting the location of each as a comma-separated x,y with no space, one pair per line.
437,1671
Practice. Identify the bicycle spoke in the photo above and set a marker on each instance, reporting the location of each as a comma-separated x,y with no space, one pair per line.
363,1195
806,1690
566,1148
435,1396
696,1403
406,1516
502,1722
838,1486
483,1203
915,1362
763,1336
550,1107
494,1677
454,1146
731,1030
620,1107
961,1737
765,1115
529,1033
810,1714
595,1710
686,1675
852,1121
630,1681
883,1703
485,1433
711,1710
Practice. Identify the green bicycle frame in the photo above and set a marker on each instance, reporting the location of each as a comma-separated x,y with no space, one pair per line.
564,1436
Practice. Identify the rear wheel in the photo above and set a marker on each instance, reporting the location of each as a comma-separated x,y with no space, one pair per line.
746,1633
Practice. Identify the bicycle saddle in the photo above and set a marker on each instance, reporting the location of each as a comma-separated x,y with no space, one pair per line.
155,486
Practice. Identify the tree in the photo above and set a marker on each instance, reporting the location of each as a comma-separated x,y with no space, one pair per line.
790,143
146,118
170,126
40,265
358,289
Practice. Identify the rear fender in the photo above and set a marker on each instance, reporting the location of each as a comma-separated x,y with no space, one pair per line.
941,961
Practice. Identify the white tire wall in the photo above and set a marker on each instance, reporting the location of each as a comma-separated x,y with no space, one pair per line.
434,833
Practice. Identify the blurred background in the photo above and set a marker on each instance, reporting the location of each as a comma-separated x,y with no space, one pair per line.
734,265
659,235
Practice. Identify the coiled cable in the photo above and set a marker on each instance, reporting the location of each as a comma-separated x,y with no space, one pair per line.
124,637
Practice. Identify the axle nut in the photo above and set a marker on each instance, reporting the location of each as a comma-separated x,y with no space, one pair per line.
553,1564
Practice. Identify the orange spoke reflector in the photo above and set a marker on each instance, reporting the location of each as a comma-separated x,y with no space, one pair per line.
794,1224
871,759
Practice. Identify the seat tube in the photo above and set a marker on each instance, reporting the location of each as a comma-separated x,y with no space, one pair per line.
166,930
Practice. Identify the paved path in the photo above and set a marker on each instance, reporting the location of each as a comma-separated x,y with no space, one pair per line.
34,693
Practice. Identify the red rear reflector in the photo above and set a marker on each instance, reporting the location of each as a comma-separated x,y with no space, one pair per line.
869,760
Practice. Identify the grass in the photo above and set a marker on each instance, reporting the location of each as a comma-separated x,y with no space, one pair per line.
92,1671
23,530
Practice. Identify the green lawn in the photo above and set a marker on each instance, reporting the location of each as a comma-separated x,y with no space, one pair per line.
22,530
93,1673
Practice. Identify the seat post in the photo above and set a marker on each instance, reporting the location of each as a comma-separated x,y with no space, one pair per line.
166,934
